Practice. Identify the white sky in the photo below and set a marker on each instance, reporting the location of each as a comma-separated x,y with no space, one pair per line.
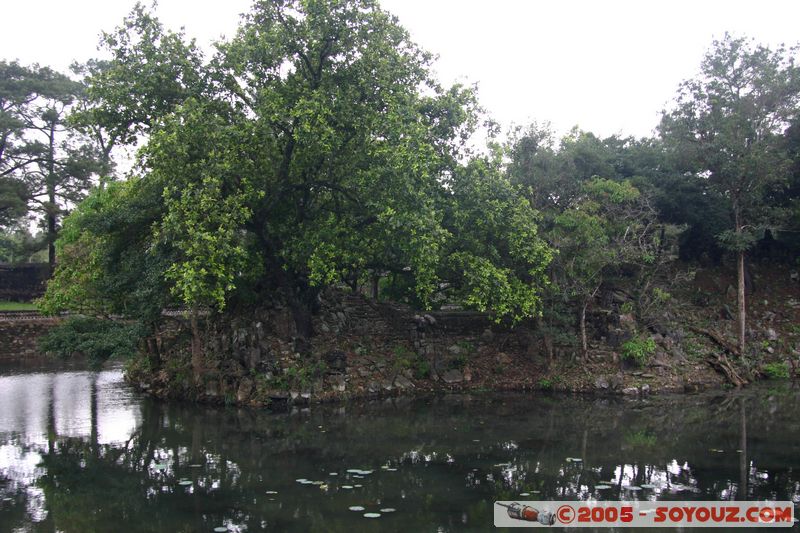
607,66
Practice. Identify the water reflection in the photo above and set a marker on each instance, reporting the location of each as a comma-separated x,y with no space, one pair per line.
79,451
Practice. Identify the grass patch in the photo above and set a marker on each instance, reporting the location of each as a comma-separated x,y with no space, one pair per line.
18,306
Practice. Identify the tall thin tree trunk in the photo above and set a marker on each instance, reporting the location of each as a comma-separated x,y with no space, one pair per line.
51,199
741,302
742,316
584,342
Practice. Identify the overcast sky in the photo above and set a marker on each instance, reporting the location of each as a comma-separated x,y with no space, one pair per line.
606,66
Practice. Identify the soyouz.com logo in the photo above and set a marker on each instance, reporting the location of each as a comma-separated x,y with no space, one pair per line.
643,514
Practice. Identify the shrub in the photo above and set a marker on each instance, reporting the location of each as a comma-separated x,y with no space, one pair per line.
638,350
97,339
777,370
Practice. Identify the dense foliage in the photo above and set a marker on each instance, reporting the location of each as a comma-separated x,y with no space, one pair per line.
315,148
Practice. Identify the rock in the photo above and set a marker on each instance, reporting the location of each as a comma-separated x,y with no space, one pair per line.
364,373
211,389
630,391
794,276
730,292
467,374
373,386
337,382
601,383
770,349
487,335
502,359
430,320
386,385
324,327
244,390
454,349
402,382
452,376
645,389
627,321
772,335
336,360
616,381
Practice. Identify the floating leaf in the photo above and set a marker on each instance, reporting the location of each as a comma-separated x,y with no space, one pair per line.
524,493
272,492
333,473
602,487
195,466
356,508
184,482
388,510
358,486
372,515
301,480
347,487
633,488
220,529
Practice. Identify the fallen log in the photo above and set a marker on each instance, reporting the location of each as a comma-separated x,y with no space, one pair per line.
719,361
718,339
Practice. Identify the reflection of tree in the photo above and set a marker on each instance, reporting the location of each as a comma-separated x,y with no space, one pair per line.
445,476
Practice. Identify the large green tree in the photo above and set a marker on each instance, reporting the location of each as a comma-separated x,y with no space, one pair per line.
314,144
727,127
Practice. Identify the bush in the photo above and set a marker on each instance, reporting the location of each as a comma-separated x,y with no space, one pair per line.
98,340
639,350
777,370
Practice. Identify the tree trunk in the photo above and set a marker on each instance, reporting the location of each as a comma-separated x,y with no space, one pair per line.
584,342
197,348
375,287
741,302
50,214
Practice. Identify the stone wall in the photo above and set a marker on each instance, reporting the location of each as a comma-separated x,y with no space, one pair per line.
23,282
19,336
361,348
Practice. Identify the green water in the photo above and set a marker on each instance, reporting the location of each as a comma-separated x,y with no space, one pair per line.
80,451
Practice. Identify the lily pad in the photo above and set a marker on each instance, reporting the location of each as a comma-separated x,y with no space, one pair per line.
220,529
353,470
358,486
372,515
356,508
648,486
333,473
184,482
347,487
301,480
602,487
391,470
524,493
196,466
388,510
633,488
272,492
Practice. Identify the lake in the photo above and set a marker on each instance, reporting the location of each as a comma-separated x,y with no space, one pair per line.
81,451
